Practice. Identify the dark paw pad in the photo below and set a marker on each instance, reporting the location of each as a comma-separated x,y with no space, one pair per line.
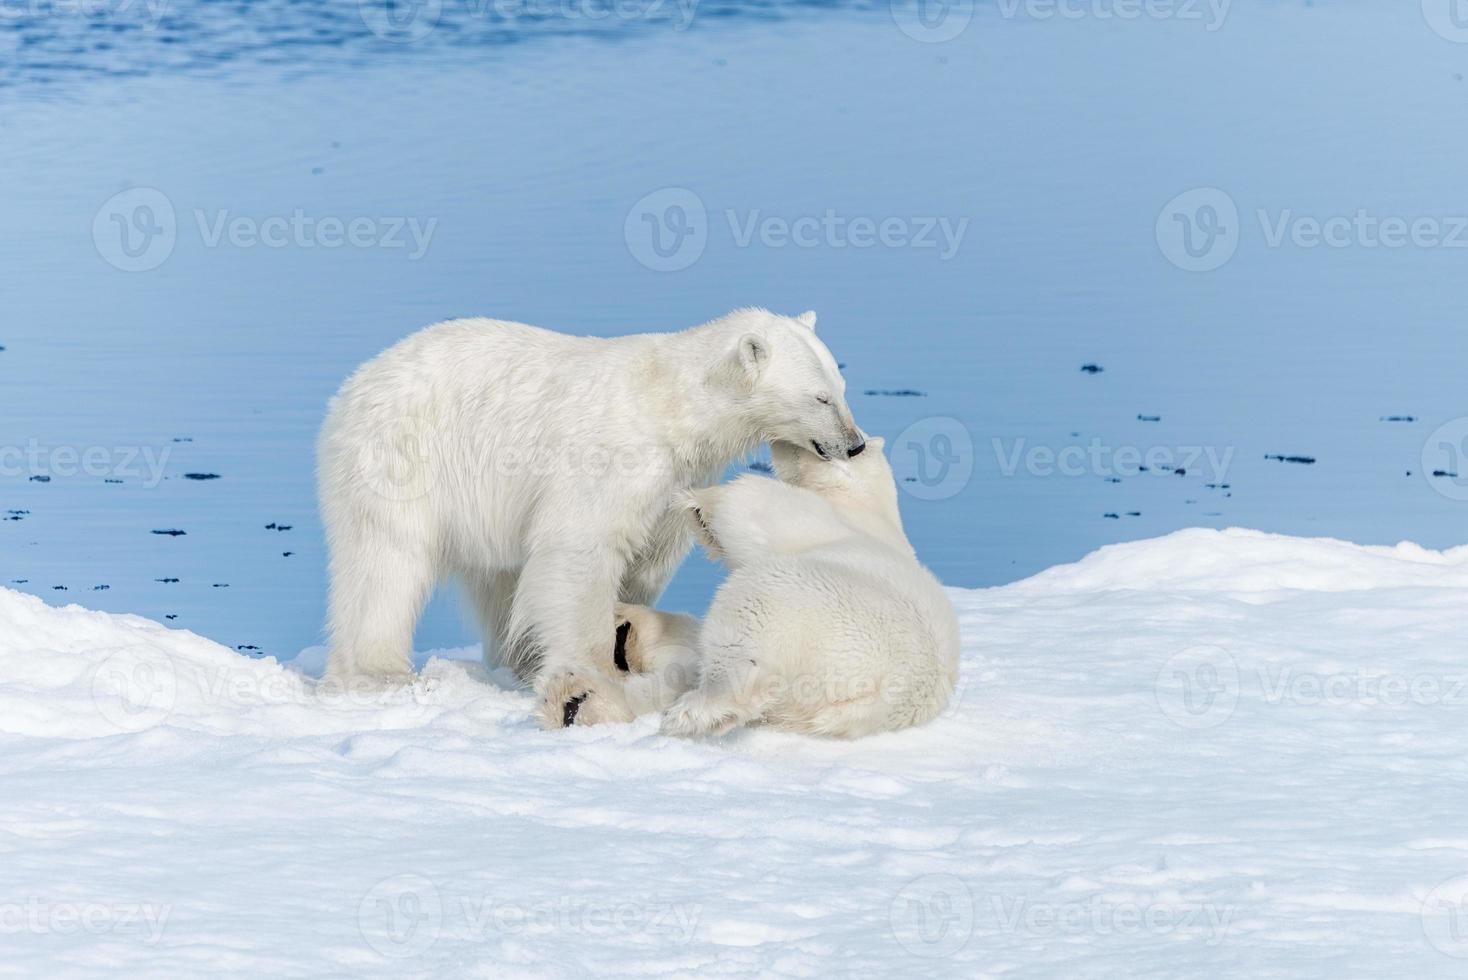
568,715
619,655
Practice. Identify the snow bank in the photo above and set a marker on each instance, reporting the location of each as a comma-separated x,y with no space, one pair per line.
1213,752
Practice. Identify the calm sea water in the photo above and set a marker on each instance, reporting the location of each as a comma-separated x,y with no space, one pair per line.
215,211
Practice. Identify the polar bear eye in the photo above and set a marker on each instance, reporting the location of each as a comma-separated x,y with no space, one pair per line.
824,399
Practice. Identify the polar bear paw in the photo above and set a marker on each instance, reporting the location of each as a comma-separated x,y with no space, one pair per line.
695,715
580,697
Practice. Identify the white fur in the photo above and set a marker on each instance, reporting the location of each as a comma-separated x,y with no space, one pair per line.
827,624
545,472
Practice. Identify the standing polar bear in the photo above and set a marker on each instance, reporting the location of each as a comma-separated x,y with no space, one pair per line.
544,471
827,624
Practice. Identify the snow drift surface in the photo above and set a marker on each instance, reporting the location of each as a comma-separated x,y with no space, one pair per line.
1213,752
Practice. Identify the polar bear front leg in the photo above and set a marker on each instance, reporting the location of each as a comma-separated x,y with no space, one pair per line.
562,611
649,571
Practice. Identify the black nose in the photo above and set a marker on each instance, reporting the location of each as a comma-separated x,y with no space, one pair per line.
856,450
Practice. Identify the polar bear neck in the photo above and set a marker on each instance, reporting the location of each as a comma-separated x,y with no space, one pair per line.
705,417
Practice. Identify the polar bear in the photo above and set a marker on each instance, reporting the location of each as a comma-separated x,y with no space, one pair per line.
544,472
827,624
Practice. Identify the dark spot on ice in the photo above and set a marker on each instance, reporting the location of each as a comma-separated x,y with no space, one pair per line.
110,480
569,712
1112,517
221,585
201,476
1305,460
619,652
896,393
19,581
246,646
1216,486
1447,473
183,438
272,526
172,532
171,616
1399,418
1092,368
1180,471
40,478
286,554
58,588
1149,418
1134,513
166,581
909,479
1113,479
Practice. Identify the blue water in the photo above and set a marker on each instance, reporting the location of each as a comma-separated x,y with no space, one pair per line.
543,151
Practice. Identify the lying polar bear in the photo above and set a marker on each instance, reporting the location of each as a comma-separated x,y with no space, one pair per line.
827,624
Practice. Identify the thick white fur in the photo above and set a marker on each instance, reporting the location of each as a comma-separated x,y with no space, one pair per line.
827,624
545,471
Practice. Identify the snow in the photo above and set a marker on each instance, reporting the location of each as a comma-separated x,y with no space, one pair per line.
1216,752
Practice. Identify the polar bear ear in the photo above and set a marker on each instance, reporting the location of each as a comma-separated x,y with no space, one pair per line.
877,443
753,354
808,319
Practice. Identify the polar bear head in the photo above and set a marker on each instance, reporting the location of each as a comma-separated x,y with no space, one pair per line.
861,485
788,385
815,502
